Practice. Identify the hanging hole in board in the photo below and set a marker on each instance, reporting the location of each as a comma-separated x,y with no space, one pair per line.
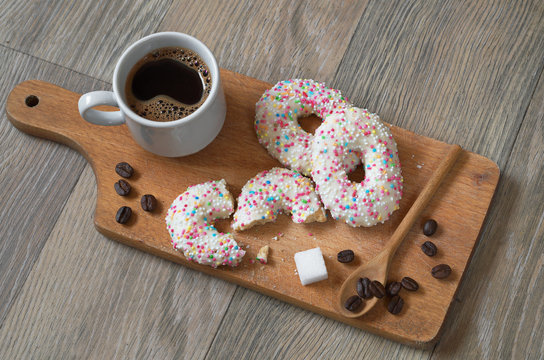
31,100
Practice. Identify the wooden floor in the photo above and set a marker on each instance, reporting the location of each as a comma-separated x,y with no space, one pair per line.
466,72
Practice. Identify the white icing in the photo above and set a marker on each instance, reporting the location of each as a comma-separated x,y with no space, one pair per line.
374,199
274,191
189,222
276,121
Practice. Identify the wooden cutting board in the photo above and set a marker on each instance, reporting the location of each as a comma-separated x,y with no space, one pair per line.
459,206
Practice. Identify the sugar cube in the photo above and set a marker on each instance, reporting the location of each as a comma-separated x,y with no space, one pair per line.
311,266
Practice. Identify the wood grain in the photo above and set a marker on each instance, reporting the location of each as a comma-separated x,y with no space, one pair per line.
457,71
273,40
499,306
36,176
106,146
89,297
86,36
266,328
378,268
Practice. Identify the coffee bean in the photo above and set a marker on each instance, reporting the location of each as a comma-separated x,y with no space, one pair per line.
122,187
346,256
353,303
409,284
395,305
149,203
123,214
124,170
362,288
393,288
441,271
429,248
429,227
377,289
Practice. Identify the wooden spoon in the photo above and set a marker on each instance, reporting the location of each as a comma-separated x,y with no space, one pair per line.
378,267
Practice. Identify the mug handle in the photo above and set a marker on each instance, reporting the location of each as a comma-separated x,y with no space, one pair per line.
109,118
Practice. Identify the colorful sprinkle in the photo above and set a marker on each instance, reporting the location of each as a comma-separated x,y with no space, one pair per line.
275,191
191,229
343,133
276,121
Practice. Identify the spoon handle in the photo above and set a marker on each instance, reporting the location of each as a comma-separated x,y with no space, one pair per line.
422,200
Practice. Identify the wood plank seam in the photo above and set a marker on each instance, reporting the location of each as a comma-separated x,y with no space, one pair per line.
433,350
524,115
69,128
53,63
485,228
509,158
495,199
48,236
509,252
40,247
221,322
339,66
238,286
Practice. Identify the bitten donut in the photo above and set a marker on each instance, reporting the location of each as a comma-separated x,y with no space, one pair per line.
189,223
374,199
274,191
277,126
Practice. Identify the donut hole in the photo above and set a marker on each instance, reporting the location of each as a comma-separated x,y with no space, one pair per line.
357,175
223,225
309,123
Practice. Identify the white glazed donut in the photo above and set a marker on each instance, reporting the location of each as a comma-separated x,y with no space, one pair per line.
189,223
374,199
272,191
277,126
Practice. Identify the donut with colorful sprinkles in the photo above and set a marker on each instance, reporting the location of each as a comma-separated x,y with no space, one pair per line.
189,223
276,121
274,191
374,199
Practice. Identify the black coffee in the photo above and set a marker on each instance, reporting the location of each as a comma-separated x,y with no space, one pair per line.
168,84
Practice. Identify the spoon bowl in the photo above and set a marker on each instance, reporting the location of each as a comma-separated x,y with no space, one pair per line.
374,270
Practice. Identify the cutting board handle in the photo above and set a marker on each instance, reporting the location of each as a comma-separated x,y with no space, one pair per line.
49,111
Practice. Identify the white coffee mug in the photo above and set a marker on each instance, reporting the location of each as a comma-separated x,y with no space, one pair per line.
173,138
